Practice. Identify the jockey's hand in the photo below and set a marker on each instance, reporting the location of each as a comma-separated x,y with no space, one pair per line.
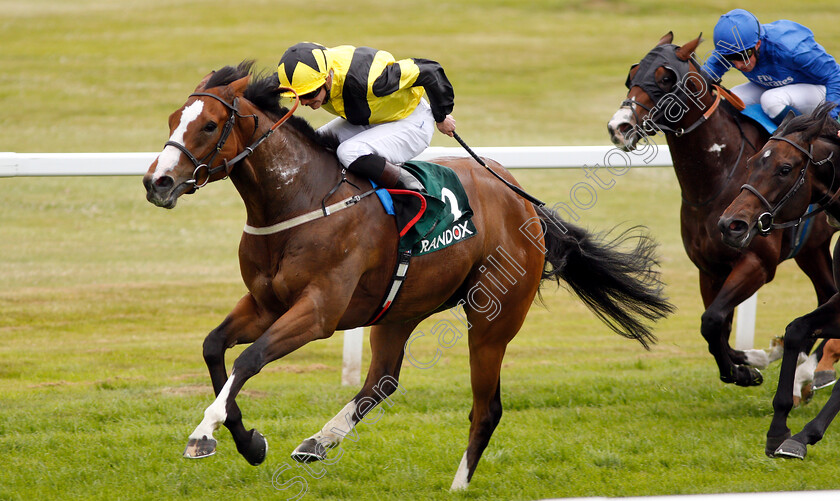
447,126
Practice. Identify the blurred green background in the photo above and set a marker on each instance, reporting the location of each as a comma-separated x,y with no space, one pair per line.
99,75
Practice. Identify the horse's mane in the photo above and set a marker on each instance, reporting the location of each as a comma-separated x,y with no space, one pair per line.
804,122
263,91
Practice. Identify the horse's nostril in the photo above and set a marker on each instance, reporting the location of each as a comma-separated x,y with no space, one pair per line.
164,182
733,227
738,226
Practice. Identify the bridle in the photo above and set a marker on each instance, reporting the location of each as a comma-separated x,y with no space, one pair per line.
227,166
765,222
680,131
202,166
663,56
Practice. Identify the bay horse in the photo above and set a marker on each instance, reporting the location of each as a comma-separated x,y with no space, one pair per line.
331,272
797,167
710,142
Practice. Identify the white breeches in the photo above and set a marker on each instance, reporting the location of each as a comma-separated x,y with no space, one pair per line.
804,98
397,141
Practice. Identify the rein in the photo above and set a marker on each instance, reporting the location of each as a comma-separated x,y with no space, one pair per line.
202,167
627,103
765,222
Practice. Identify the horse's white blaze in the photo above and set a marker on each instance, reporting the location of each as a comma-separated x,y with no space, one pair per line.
460,481
624,116
168,158
716,148
214,415
767,153
338,427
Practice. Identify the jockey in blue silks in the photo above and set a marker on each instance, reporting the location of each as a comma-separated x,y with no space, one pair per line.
786,68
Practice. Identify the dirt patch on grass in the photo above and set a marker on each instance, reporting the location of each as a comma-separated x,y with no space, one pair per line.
205,389
299,369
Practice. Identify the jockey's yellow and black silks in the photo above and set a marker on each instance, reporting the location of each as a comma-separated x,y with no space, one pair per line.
369,86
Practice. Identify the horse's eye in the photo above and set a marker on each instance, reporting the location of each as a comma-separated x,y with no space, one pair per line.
210,127
785,169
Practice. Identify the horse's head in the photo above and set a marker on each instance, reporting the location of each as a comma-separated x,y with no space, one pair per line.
202,139
783,178
661,90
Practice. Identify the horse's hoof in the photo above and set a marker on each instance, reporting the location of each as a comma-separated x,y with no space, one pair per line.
824,379
308,451
773,444
256,449
791,449
200,447
744,376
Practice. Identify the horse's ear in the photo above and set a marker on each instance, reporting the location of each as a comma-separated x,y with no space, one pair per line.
684,52
814,131
239,86
786,120
668,38
204,81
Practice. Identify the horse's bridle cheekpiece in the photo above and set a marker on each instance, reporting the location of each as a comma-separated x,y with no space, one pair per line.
765,222
227,165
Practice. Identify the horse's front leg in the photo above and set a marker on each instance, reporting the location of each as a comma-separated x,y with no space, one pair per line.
716,323
820,322
243,325
307,320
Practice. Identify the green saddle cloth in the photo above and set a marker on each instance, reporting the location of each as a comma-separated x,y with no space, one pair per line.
447,219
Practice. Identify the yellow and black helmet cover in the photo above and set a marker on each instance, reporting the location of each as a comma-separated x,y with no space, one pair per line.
303,67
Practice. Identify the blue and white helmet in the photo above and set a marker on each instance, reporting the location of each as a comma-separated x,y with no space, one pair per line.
737,31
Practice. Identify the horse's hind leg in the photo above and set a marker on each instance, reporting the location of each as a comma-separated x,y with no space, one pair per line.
490,333
825,375
387,343
486,412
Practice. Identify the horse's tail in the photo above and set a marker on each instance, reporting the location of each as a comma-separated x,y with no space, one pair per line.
623,288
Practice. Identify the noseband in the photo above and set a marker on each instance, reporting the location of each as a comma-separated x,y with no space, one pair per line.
227,165
765,222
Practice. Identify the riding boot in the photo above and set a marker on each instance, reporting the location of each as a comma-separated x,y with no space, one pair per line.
394,176
385,173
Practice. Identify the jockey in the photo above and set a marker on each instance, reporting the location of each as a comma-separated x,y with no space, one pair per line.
786,68
383,119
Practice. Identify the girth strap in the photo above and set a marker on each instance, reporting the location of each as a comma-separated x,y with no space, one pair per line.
397,280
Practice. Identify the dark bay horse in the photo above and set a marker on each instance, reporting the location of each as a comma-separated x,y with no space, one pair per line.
710,143
797,167
331,272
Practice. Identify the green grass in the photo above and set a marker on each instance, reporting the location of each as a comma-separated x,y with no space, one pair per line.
103,312
105,299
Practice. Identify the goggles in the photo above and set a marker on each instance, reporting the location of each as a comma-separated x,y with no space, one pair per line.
740,56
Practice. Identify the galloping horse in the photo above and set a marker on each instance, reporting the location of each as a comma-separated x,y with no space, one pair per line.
709,143
797,167
311,270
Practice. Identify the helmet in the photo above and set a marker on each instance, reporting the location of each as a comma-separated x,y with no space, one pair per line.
736,31
303,67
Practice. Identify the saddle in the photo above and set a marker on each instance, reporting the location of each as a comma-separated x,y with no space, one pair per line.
427,222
